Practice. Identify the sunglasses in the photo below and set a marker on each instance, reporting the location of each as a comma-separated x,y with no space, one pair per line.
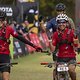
61,23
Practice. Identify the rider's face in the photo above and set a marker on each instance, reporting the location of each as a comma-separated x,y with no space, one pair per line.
60,12
62,25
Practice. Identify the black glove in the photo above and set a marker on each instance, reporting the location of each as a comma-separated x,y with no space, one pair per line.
38,49
49,53
78,50
49,65
54,55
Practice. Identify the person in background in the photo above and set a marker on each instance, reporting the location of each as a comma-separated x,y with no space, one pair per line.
60,9
5,32
34,27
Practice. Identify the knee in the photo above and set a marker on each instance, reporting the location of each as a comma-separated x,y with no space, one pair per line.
72,68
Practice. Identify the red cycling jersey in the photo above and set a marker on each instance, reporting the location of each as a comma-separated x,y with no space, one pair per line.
64,50
4,45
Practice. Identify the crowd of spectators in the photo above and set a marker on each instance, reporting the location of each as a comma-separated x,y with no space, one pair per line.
25,28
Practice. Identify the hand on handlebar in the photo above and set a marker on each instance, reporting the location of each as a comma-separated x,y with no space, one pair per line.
49,65
38,49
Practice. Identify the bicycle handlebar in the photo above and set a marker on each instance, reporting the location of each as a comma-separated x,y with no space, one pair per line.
4,64
45,51
46,63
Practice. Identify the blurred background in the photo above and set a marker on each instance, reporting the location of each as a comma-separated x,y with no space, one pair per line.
21,8
23,16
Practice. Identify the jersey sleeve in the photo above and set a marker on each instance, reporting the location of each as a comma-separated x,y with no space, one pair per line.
54,39
52,24
75,39
10,31
49,25
71,23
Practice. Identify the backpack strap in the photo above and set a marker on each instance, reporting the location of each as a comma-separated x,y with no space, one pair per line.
66,40
3,37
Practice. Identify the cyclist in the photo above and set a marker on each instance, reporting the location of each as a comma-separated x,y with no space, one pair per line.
66,40
52,24
5,32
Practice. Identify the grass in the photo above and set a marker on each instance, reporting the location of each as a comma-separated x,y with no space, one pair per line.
29,68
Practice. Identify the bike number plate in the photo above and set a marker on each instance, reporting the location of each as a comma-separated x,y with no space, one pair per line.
59,69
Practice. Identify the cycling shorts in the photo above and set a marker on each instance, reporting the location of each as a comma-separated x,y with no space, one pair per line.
67,60
4,58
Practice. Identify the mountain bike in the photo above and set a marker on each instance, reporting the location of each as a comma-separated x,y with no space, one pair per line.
61,69
5,65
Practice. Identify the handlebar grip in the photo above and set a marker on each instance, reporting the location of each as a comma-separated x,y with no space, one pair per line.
78,62
45,51
44,63
14,63
4,64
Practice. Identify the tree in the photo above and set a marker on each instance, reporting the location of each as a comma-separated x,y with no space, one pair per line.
7,1
47,7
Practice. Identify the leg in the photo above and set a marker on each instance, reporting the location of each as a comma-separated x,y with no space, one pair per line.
54,71
6,75
72,71
5,69
0,75
54,74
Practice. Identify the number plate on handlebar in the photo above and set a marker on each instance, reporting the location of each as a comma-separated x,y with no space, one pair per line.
62,68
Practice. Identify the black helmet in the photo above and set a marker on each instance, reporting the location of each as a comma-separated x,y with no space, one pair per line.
2,15
60,7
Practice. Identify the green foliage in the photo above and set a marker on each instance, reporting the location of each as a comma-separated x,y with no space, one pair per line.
7,1
47,7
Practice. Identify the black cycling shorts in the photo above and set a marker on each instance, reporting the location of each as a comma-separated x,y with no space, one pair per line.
67,60
4,58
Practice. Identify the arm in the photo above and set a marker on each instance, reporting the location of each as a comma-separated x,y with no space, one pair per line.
54,41
42,26
21,38
72,23
75,39
49,25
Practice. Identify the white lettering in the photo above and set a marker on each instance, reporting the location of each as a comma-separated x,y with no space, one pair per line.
8,10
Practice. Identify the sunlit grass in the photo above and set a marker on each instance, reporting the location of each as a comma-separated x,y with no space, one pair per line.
29,68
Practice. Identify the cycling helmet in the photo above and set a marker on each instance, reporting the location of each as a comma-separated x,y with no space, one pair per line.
60,7
62,18
2,15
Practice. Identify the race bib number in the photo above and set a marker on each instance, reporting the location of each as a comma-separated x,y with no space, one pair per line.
59,69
